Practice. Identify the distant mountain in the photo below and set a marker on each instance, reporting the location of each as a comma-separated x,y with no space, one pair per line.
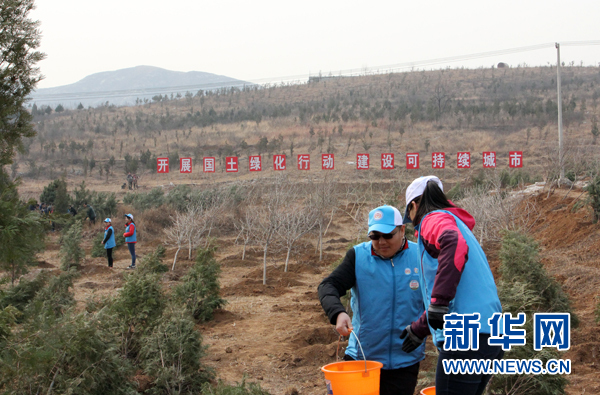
123,87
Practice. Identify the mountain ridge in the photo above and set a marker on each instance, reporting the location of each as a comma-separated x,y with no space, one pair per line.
124,86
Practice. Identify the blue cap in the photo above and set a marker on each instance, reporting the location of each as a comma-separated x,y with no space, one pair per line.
107,220
384,219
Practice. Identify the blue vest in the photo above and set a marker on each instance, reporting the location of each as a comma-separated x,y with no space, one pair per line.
476,291
131,239
385,299
111,240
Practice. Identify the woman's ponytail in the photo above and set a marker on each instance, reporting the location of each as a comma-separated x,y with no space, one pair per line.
433,198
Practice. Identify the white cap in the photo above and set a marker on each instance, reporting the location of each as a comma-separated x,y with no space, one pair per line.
130,216
107,220
415,189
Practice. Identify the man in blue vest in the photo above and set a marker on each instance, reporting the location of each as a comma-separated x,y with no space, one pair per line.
109,241
383,275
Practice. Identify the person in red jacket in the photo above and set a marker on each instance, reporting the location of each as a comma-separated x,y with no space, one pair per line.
130,236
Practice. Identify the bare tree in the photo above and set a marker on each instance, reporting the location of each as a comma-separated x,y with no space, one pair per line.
495,211
197,223
246,224
324,201
178,234
296,220
269,215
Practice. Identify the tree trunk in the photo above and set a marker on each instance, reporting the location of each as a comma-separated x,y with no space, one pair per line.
320,242
244,252
175,258
287,258
265,265
208,236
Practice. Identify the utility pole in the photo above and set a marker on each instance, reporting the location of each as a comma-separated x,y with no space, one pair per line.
561,162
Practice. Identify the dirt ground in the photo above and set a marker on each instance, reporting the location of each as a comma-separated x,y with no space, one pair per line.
277,335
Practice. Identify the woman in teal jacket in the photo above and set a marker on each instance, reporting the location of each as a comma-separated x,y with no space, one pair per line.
455,278
109,241
130,236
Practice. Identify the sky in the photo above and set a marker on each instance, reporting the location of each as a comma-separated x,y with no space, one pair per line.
266,41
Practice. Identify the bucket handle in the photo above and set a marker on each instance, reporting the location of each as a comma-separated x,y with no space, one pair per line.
360,345
361,349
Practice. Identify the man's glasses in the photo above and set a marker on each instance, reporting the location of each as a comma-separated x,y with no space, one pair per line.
387,236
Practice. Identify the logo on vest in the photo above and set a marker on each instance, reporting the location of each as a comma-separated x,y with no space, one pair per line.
407,271
414,284
378,215
416,270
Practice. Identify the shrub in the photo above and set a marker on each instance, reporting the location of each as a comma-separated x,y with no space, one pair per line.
54,299
105,204
21,233
199,290
179,197
513,178
151,263
171,354
138,306
155,220
521,384
74,355
525,287
55,193
71,252
519,261
8,317
144,201
456,192
593,190
22,293
518,297
81,196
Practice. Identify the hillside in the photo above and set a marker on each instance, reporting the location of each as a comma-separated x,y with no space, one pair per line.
448,111
128,86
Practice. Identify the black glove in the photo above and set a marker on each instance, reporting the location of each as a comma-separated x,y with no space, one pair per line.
411,341
435,315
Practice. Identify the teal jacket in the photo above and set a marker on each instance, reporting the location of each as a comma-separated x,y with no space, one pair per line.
130,233
109,238
476,291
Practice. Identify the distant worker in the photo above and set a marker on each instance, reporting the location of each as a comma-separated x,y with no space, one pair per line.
129,180
90,213
130,236
135,181
109,241
383,276
72,211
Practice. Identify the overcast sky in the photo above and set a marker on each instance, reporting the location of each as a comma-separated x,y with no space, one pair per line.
264,40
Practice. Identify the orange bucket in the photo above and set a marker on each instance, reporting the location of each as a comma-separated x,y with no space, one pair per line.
352,377
428,391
